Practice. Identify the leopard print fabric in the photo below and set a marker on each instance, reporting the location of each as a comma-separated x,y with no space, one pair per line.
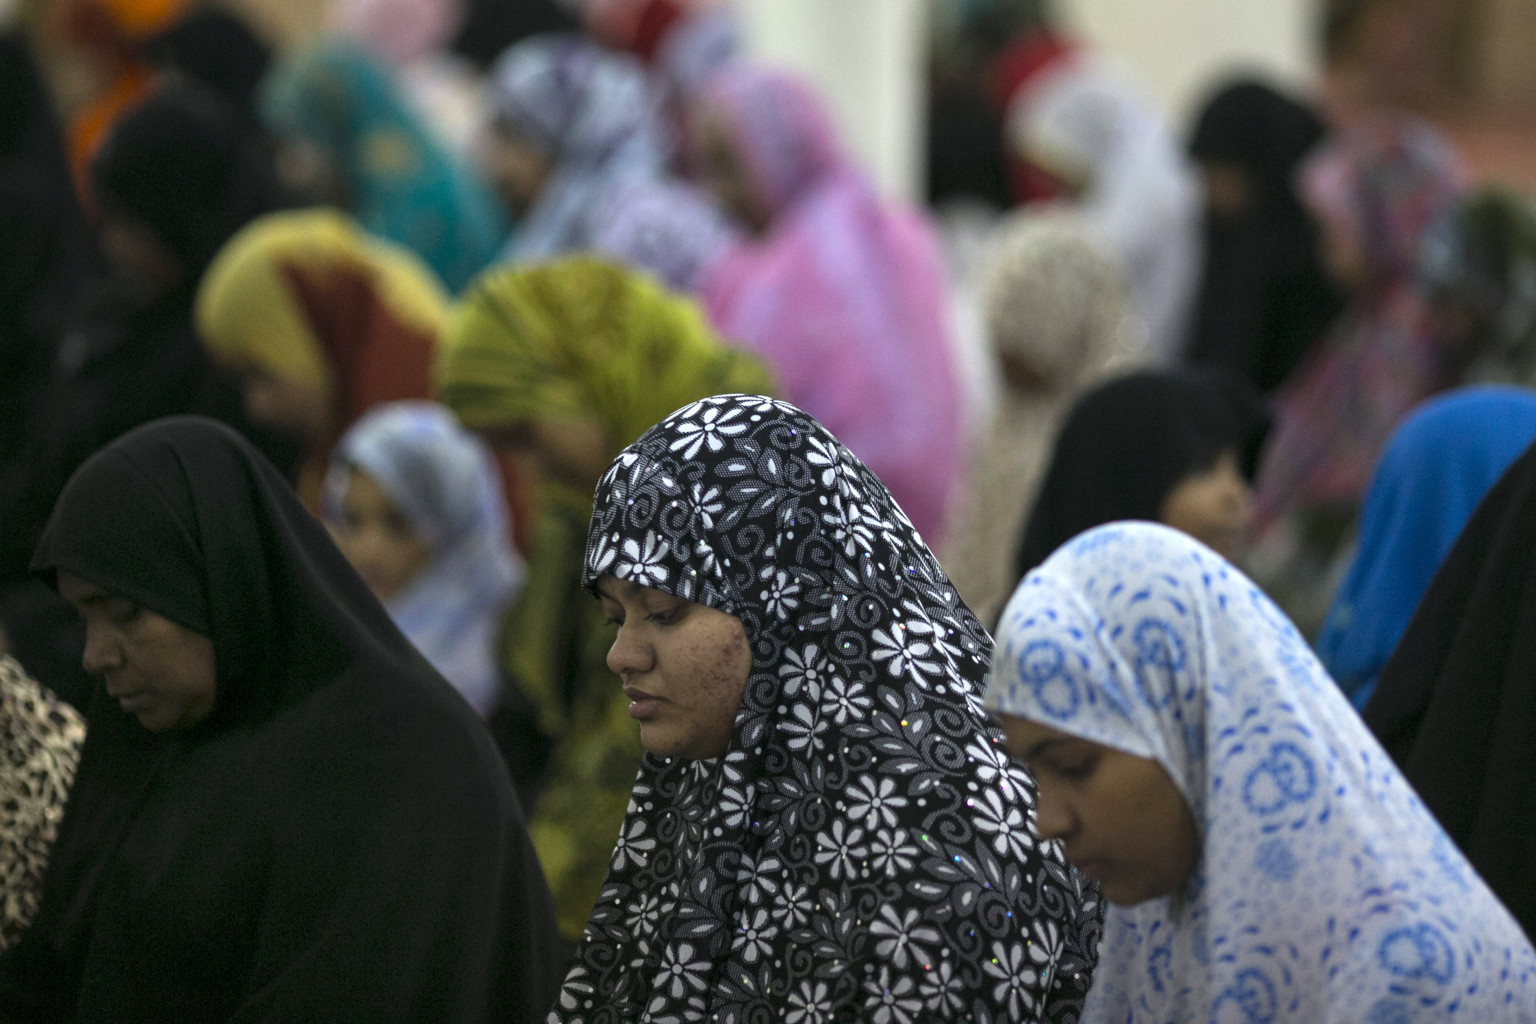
42,749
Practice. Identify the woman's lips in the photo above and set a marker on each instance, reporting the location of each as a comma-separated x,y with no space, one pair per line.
134,703
641,704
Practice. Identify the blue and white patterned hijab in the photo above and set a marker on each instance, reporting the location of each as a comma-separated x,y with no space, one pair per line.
865,849
1325,892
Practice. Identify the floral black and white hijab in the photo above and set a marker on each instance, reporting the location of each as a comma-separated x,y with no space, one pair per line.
865,850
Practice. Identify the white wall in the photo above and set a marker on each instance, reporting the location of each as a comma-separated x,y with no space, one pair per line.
867,56
1179,48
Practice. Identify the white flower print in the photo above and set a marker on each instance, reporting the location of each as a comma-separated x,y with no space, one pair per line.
809,1004
804,728
1006,824
633,845
907,656
681,970
644,565
797,904
995,769
823,460
941,989
847,702
899,935
605,553
710,429
705,504
874,801
807,669
762,884
895,1001
891,851
1016,979
735,805
779,595
757,929
837,849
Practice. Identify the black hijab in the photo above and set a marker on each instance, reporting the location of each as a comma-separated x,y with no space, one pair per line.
1455,705
185,164
337,841
1128,443
865,849
1264,297
218,49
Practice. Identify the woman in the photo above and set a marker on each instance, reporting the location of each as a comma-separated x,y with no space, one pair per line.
282,812
824,827
353,143
1453,703
1262,859
572,126
1264,297
42,738
1376,190
1435,470
319,321
1478,266
559,366
415,503
1054,310
842,293
1167,446
1112,156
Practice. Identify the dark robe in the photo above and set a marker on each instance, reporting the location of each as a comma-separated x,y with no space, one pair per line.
1455,705
336,841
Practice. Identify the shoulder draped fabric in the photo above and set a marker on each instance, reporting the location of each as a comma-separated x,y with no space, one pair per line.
844,295
42,737
865,849
336,841
1454,704
1381,184
402,183
1264,296
1128,443
1054,306
1480,258
446,483
598,120
577,339
1438,465
1325,893
1084,123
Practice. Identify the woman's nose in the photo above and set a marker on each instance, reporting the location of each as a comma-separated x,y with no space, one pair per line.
101,654
1053,816
630,655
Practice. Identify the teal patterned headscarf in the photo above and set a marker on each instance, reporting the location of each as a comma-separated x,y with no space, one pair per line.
402,182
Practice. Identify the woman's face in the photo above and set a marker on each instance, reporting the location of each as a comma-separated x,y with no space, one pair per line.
159,671
377,538
684,668
517,169
1119,817
1214,507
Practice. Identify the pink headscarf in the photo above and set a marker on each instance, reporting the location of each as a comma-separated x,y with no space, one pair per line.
1381,184
843,295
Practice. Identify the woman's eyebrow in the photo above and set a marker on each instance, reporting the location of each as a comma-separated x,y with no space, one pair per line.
1046,744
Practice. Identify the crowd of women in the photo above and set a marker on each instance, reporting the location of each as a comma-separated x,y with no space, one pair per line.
503,521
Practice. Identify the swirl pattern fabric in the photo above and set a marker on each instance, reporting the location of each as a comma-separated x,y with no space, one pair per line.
1326,891
865,849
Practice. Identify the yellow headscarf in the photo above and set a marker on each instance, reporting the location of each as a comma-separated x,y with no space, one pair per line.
577,339
581,339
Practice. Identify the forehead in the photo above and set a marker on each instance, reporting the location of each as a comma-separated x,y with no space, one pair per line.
78,591
1025,736
628,591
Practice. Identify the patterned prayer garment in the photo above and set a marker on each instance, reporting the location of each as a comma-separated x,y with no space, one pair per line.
1326,893
865,848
